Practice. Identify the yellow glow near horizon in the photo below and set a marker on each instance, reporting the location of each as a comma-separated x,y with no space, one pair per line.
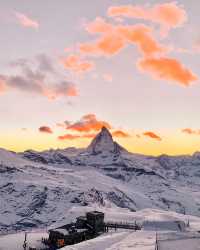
175,143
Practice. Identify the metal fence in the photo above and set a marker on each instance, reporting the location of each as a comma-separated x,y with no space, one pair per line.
162,238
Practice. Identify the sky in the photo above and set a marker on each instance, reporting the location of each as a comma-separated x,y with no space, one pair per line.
67,68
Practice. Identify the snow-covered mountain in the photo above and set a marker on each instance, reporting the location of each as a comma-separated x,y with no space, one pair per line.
39,188
103,143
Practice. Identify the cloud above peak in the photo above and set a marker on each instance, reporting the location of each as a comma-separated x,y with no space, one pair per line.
87,127
88,123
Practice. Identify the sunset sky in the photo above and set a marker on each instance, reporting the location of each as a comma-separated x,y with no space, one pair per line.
67,68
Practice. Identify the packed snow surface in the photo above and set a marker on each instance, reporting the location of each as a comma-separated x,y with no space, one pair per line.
124,239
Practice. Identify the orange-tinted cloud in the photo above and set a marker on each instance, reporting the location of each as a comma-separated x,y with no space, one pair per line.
75,136
46,129
99,25
142,36
113,38
167,69
169,15
77,64
68,137
152,135
108,44
191,131
88,127
26,21
88,123
120,133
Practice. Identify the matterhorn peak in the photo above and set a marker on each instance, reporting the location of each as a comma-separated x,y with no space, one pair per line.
105,133
103,142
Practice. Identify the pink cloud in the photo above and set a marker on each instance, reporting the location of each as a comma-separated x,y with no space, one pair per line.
108,77
26,21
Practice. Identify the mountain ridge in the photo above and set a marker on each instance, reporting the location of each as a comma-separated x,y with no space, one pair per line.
38,188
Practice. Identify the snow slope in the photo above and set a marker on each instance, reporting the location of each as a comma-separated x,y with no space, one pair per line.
40,188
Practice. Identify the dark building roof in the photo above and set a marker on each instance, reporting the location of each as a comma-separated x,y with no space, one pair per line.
95,213
66,232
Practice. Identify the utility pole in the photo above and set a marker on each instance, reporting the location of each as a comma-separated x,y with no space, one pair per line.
25,241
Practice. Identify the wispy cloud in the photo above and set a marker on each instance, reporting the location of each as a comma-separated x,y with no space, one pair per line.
120,133
191,131
46,129
152,135
76,136
26,21
77,64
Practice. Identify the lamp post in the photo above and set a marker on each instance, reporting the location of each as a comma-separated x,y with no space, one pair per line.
156,244
25,241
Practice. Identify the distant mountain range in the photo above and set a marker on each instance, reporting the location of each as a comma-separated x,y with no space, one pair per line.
38,188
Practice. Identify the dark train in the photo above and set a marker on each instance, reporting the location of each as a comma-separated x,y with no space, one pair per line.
85,227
